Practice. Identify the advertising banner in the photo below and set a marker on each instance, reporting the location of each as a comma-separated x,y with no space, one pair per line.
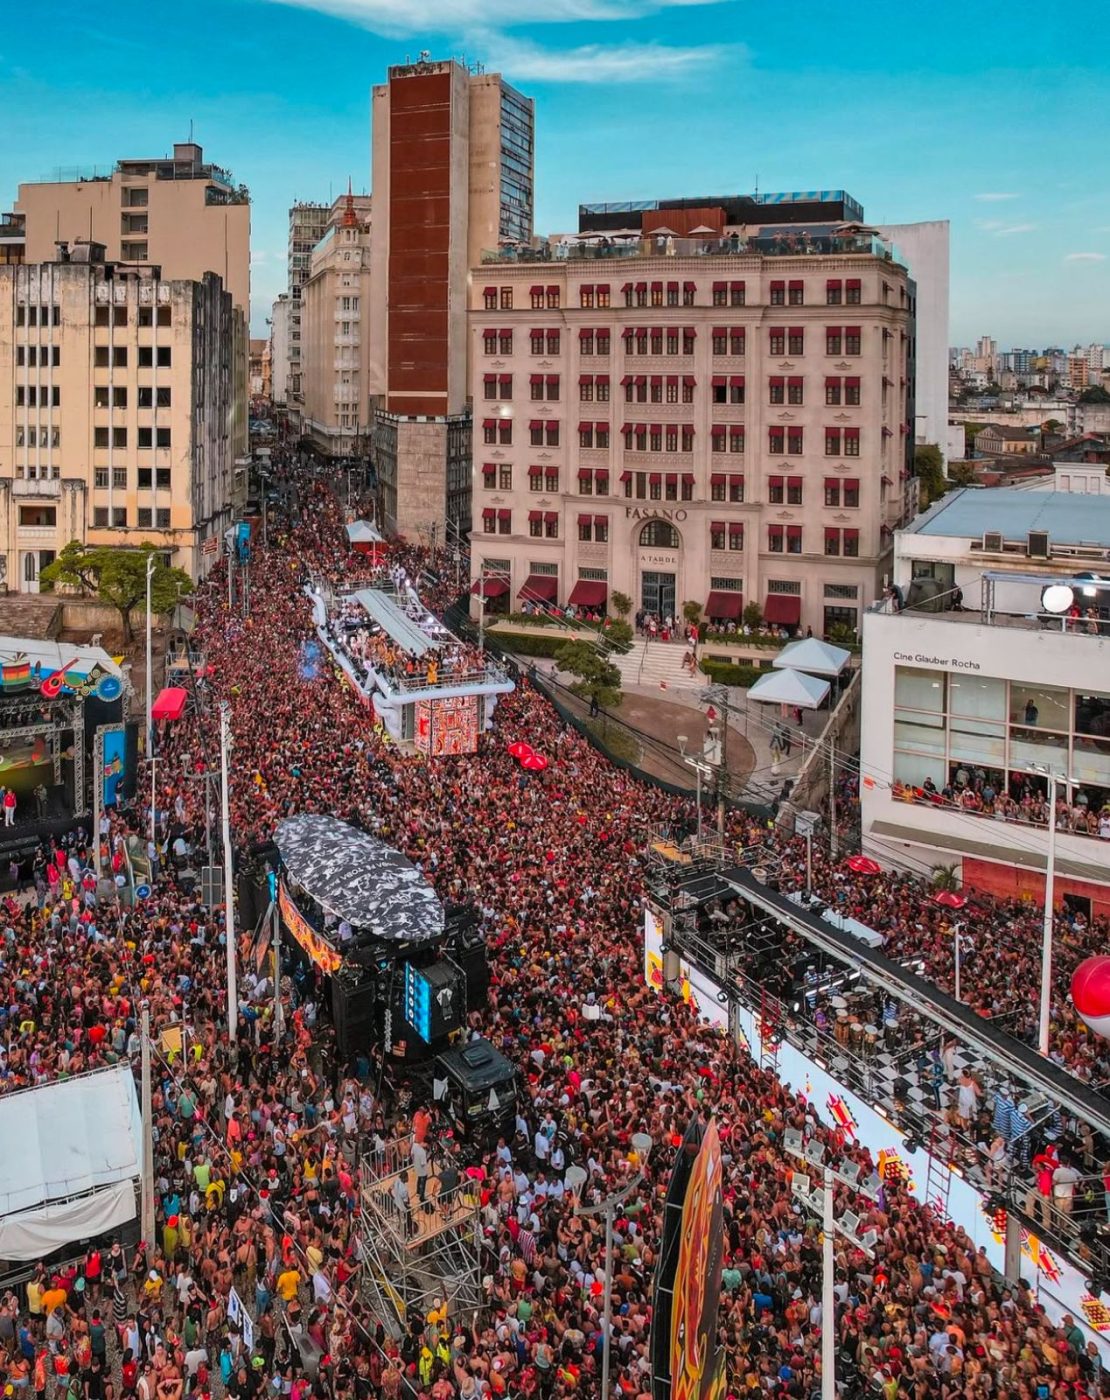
322,953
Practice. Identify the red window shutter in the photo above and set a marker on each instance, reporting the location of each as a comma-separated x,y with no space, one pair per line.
533,378
736,381
778,286
851,483
793,482
852,330
793,532
776,381
720,286
489,468
795,382
719,381
851,432
796,286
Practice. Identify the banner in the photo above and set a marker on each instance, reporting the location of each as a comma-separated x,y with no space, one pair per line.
321,952
685,1361
113,762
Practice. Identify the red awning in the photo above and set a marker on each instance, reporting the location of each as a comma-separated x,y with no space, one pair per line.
587,593
600,472
585,520
170,703
724,605
585,332
783,608
540,588
535,515
490,587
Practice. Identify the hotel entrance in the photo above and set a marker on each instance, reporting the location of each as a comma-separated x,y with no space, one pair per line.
660,564
657,593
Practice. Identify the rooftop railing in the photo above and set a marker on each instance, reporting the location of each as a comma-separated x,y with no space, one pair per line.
793,244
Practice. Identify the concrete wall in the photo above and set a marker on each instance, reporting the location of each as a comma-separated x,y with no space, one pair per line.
925,247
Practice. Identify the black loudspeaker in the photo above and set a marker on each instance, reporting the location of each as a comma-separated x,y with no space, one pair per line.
253,898
354,1011
472,959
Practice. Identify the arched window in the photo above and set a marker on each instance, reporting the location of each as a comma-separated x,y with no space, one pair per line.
30,567
660,534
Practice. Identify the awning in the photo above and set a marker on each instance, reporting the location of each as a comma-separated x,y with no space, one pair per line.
490,587
540,588
785,609
587,593
169,704
726,605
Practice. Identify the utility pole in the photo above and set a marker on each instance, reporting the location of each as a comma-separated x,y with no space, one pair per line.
229,882
147,1193
722,771
1045,1013
832,798
608,1208
279,1015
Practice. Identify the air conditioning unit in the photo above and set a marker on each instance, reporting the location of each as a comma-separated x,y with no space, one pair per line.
992,541
1038,547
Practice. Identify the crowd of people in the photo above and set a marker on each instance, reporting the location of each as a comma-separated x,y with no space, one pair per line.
256,1140
1084,811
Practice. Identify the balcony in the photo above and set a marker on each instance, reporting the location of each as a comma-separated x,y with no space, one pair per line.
41,489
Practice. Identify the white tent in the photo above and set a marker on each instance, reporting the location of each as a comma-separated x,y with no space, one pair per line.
789,688
72,1158
816,657
362,532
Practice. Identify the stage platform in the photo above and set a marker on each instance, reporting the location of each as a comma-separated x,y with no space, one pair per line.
423,1222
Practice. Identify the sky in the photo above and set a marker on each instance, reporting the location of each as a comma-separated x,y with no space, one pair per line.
992,119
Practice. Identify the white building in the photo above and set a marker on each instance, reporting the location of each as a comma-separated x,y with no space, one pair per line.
279,348
925,248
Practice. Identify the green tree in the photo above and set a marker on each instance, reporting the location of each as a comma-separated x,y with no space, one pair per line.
118,577
691,611
622,604
961,473
598,679
971,432
753,616
1052,425
928,466
1095,394
618,635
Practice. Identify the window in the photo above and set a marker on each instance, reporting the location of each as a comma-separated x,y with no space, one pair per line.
601,435
833,292
535,477
100,516
506,298
505,522
851,544
795,443
162,518
720,294
775,535
776,490
795,293
851,492
796,341
585,342
717,534
146,439
536,296
535,386
602,342
144,516
793,539
833,341
603,294
852,340
551,434
719,341
38,516
832,442
851,442
736,437
736,341
551,524
505,386
535,524
586,435
853,291
109,437
794,390
793,490
659,534
776,441
601,529
832,392
551,480
832,491
149,398
688,336
601,388
776,390
776,341
736,389
119,517
165,315
504,476
119,356
489,342
777,295
672,293
100,357
489,386
832,541
146,356
585,527
737,293
553,297
586,296
552,342
657,294
586,388
851,391
551,383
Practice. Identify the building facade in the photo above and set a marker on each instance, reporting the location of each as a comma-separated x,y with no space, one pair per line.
925,248
717,423
279,349
307,225
452,156
115,390
334,304
182,214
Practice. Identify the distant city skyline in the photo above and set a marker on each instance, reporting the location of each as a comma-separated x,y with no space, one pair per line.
944,114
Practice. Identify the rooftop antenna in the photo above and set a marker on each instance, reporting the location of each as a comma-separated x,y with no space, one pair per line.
190,131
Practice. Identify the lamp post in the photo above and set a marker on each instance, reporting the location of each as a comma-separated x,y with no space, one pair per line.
1051,779
150,563
608,1208
229,886
703,770
820,1200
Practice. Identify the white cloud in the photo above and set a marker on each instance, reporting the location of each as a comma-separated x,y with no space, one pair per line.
1008,229
600,63
1084,257
995,197
398,17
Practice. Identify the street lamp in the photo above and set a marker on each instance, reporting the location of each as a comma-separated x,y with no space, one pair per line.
701,768
608,1208
820,1200
150,563
1049,891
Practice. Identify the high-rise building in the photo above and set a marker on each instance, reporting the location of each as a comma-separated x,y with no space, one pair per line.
181,213
1096,359
307,225
279,348
694,413
924,248
118,388
452,176
334,304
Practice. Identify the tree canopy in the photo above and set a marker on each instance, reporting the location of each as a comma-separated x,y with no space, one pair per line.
118,577
598,679
929,468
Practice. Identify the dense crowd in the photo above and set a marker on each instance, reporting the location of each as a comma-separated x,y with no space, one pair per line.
256,1142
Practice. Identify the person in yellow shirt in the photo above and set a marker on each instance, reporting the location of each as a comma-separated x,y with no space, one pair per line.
53,1299
287,1284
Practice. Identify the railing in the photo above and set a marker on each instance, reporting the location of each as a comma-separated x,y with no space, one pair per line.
792,245
37,486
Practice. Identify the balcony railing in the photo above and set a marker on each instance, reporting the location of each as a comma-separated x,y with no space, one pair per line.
40,487
793,245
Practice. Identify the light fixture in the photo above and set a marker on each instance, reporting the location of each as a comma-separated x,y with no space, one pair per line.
1057,598
1089,590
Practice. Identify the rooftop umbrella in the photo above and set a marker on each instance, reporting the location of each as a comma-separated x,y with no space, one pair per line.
950,899
533,762
519,749
863,865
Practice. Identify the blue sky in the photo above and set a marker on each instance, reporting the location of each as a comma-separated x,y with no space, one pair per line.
992,119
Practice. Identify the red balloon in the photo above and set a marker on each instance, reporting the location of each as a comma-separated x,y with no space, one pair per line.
1090,993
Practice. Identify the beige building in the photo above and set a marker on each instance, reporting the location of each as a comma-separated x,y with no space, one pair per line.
335,299
115,390
183,214
452,174
724,422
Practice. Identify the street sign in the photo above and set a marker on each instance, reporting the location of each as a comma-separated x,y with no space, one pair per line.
142,891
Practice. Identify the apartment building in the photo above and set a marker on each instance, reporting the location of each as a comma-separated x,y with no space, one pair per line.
280,314
334,301
115,392
452,175
711,417
181,213
307,225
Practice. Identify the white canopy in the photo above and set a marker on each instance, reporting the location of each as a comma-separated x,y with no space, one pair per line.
789,688
816,657
362,532
79,1155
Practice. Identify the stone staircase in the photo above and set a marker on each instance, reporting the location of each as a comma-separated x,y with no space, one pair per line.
652,664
